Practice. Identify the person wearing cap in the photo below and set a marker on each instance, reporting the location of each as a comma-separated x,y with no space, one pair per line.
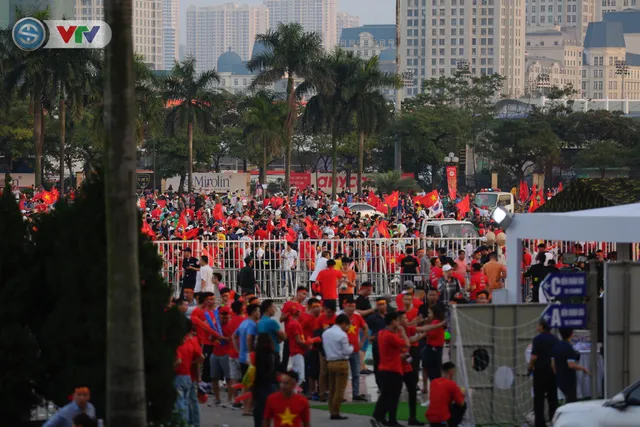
80,405
191,267
448,286
356,338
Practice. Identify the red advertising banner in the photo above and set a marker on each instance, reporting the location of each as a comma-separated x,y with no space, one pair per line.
300,179
452,181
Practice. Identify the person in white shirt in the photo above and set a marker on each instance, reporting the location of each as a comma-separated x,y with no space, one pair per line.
321,264
289,263
204,282
335,343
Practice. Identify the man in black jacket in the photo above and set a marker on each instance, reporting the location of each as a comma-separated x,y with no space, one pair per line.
537,272
246,277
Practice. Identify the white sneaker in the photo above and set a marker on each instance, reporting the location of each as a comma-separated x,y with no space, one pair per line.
425,403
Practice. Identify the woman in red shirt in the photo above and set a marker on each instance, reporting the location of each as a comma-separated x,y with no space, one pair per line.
432,353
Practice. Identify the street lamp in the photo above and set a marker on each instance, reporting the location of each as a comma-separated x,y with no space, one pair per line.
622,69
451,159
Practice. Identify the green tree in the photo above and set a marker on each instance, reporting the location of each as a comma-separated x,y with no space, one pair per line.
389,182
194,97
366,100
329,111
293,54
27,75
603,155
125,375
517,145
16,132
263,128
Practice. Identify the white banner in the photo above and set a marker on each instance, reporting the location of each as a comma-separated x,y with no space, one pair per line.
211,182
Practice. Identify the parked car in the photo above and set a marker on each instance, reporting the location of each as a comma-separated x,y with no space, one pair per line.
365,209
622,410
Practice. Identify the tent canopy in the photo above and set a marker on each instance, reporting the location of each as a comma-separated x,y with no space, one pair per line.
618,224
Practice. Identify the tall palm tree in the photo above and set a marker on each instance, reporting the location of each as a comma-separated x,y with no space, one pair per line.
263,124
125,355
367,102
193,96
329,110
293,54
27,76
71,74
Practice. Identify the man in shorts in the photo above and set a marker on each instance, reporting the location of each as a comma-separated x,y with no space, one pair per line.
220,357
235,371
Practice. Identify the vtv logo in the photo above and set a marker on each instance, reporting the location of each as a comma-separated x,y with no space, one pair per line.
78,34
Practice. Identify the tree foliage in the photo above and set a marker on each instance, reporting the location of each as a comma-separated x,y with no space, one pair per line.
389,182
603,155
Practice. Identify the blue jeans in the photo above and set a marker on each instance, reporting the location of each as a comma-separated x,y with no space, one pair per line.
183,386
194,407
354,365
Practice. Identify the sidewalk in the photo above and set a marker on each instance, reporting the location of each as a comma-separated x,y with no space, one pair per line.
218,417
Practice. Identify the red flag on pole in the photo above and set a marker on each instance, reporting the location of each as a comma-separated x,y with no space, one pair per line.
560,187
383,230
218,214
392,199
463,207
373,199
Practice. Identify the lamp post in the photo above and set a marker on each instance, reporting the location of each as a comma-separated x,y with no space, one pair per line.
622,70
452,160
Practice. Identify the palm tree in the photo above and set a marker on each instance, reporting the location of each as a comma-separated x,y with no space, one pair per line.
293,54
27,76
126,402
389,182
263,124
70,81
329,111
193,96
366,100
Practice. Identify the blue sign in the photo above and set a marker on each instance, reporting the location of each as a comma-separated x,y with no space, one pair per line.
564,285
566,316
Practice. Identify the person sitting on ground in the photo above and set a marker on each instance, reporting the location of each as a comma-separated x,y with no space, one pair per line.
447,405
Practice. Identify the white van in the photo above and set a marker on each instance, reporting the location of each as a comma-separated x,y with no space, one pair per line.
449,229
489,200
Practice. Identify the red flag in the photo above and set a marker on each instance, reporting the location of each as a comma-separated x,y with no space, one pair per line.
162,203
55,194
143,203
534,204
463,207
534,191
218,214
146,229
392,199
383,230
191,234
541,196
182,223
560,187
373,199
524,191
48,198
429,199
383,208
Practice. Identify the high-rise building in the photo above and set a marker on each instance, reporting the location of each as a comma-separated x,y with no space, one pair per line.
609,71
443,37
147,26
605,6
344,20
214,30
170,32
563,13
319,16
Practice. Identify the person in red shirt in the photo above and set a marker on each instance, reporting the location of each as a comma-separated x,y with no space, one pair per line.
447,405
203,318
286,408
323,322
478,281
235,370
301,295
312,357
432,353
220,357
187,354
408,287
436,272
296,341
392,345
356,340
327,281
412,364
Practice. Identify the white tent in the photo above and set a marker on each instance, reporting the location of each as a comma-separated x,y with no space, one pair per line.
619,224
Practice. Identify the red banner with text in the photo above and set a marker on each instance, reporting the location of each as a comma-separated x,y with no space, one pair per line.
452,181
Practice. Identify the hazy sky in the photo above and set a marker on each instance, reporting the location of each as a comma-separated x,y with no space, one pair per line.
369,11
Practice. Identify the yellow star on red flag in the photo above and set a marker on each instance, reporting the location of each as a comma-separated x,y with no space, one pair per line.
287,417
352,329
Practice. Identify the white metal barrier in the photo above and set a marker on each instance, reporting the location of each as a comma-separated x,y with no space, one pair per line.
278,272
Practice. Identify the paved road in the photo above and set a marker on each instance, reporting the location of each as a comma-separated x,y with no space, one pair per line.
218,417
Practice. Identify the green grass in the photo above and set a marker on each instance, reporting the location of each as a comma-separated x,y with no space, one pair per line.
366,409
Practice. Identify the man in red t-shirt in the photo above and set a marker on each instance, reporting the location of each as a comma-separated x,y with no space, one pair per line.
286,408
312,357
220,357
392,346
229,329
327,281
478,281
356,340
409,287
300,296
186,355
436,272
296,341
447,404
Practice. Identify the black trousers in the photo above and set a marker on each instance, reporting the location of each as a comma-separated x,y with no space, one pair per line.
285,356
207,350
457,413
390,389
260,394
570,392
411,382
535,293
376,361
544,387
